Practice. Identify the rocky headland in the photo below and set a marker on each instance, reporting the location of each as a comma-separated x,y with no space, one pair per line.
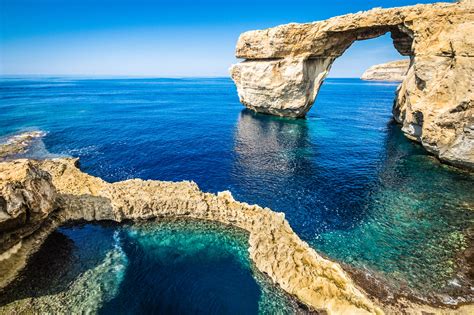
284,68
393,71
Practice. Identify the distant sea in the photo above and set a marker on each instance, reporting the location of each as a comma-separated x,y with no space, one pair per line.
347,179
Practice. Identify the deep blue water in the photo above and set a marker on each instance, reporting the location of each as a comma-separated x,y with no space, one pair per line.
349,182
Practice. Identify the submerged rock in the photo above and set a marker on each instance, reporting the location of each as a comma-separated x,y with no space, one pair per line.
390,71
18,144
285,66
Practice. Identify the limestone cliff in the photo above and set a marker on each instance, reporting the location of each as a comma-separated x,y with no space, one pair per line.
285,66
27,197
390,71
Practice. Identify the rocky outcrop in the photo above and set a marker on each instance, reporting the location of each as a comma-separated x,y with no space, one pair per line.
27,203
273,246
18,144
390,71
285,66
27,197
50,193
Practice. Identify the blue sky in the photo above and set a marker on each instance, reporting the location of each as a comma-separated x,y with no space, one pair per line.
160,38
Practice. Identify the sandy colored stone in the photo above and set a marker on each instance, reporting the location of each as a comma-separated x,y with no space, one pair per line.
273,246
389,71
284,67
27,197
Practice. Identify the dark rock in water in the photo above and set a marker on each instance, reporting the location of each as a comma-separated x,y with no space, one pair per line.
19,144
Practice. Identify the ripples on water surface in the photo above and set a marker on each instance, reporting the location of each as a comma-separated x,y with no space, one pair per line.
349,182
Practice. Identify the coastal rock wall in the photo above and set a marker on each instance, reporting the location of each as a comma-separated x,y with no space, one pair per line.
273,246
287,87
390,71
27,197
284,67
27,213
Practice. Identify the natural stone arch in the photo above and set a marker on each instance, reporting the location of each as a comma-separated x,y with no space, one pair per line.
285,66
288,86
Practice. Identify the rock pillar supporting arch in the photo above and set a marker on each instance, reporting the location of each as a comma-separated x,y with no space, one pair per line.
285,66
282,87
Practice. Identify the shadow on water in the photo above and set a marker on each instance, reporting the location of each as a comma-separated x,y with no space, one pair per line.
193,267
265,143
166,266
66,273
46,272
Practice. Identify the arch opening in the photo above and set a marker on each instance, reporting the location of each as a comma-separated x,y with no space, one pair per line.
400,41
363,54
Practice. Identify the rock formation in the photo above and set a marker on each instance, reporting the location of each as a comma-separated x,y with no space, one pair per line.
19,144
38,196
285,66
46,194
27,197
34,189
390,71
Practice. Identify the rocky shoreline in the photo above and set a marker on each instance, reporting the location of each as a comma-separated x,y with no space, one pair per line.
49,193
274,247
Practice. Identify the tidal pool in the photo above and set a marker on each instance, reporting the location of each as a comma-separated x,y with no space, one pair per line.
170,267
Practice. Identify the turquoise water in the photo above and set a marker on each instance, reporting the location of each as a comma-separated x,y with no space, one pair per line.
349,182
171,267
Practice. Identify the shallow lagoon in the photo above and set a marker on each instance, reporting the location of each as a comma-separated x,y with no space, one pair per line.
349,182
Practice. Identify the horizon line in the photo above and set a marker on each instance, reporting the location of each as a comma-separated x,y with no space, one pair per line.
119,76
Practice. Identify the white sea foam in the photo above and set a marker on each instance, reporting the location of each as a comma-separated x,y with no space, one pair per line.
27,144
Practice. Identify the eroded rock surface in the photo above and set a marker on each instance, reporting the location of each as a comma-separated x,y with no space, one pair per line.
389,71
273,246
285,66
58,192
18,144
27,197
